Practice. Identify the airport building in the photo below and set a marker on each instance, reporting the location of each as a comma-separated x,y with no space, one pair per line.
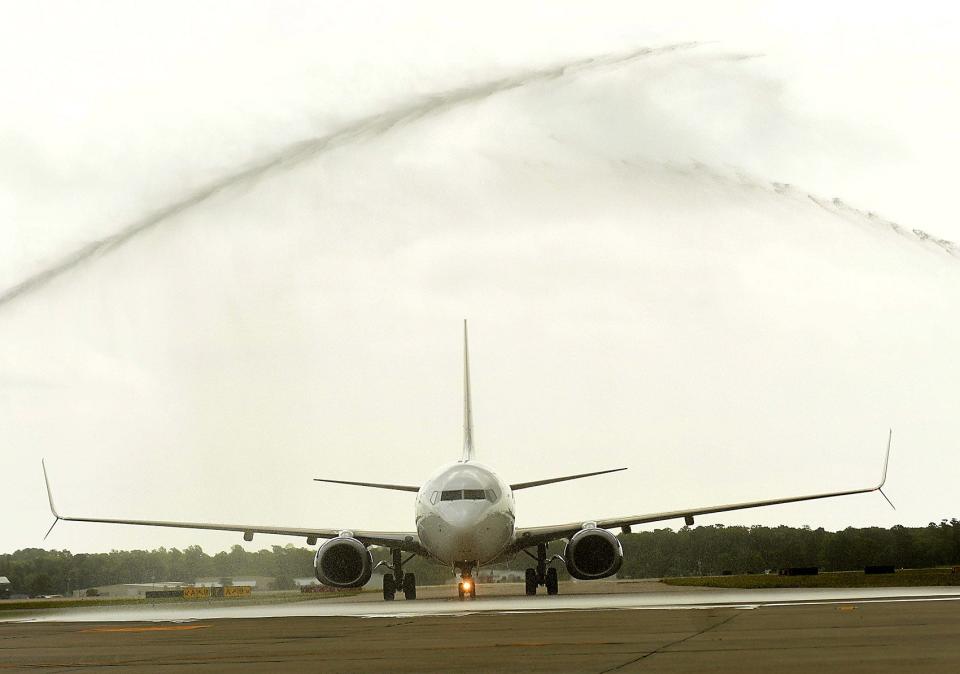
127,589
255,583
375,582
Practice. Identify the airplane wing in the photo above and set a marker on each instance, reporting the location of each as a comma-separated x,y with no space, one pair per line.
406,541
375,485
526,537
553,480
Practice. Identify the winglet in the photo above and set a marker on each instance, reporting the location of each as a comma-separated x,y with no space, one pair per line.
886,461
467,407
883,477
53,508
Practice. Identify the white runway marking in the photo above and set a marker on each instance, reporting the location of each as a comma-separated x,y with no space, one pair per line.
745,599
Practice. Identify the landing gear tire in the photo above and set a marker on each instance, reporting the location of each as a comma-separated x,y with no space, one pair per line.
553,584
530,580
389,587
409,586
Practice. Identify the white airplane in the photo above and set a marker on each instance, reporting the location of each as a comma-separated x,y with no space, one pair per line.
465,518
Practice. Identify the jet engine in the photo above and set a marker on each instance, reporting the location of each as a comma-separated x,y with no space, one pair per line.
593,553
343,562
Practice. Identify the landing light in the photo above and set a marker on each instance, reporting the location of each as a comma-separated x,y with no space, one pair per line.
466,585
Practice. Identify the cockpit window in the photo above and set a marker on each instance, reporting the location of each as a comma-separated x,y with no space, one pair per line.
468,495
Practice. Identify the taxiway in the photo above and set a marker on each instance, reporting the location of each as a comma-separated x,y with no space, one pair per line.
888,629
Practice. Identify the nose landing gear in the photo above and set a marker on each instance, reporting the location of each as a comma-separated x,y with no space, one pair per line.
467,587
542,575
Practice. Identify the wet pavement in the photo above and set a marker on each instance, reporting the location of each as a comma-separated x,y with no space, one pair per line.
441,600
817,632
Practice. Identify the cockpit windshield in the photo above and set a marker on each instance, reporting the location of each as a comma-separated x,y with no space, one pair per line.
468,495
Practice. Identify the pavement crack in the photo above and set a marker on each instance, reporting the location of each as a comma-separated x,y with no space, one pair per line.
672,643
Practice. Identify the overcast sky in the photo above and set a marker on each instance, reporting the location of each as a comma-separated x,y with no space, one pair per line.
684,238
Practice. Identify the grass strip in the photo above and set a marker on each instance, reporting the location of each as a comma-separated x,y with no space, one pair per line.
902,578
93,602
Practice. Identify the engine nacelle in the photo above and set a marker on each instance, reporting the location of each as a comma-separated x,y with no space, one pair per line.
593,553
343,562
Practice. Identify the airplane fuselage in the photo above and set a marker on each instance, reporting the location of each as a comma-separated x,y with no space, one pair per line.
465,513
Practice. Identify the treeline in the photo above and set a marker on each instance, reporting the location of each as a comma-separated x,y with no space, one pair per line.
704,550
35,571
715,550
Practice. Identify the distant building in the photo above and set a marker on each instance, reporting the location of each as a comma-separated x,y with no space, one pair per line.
129,589
499,576
4,587
255,583
375,582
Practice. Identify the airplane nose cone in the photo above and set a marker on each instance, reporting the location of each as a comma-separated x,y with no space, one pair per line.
463,516
467,530
461,525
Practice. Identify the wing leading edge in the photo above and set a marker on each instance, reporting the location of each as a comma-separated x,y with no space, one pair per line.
374,485
526,537
552,480
407,541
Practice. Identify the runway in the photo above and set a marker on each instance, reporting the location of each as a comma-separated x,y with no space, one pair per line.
888,629
907,633
441,600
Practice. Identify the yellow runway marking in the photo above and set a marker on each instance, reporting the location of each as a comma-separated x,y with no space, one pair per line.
149,628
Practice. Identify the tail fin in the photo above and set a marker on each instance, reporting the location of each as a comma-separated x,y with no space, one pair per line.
467,409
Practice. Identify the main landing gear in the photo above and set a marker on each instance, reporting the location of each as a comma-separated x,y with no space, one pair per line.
467,587
398,580
542,575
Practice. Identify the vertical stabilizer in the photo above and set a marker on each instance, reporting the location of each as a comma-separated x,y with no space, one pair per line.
467,408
